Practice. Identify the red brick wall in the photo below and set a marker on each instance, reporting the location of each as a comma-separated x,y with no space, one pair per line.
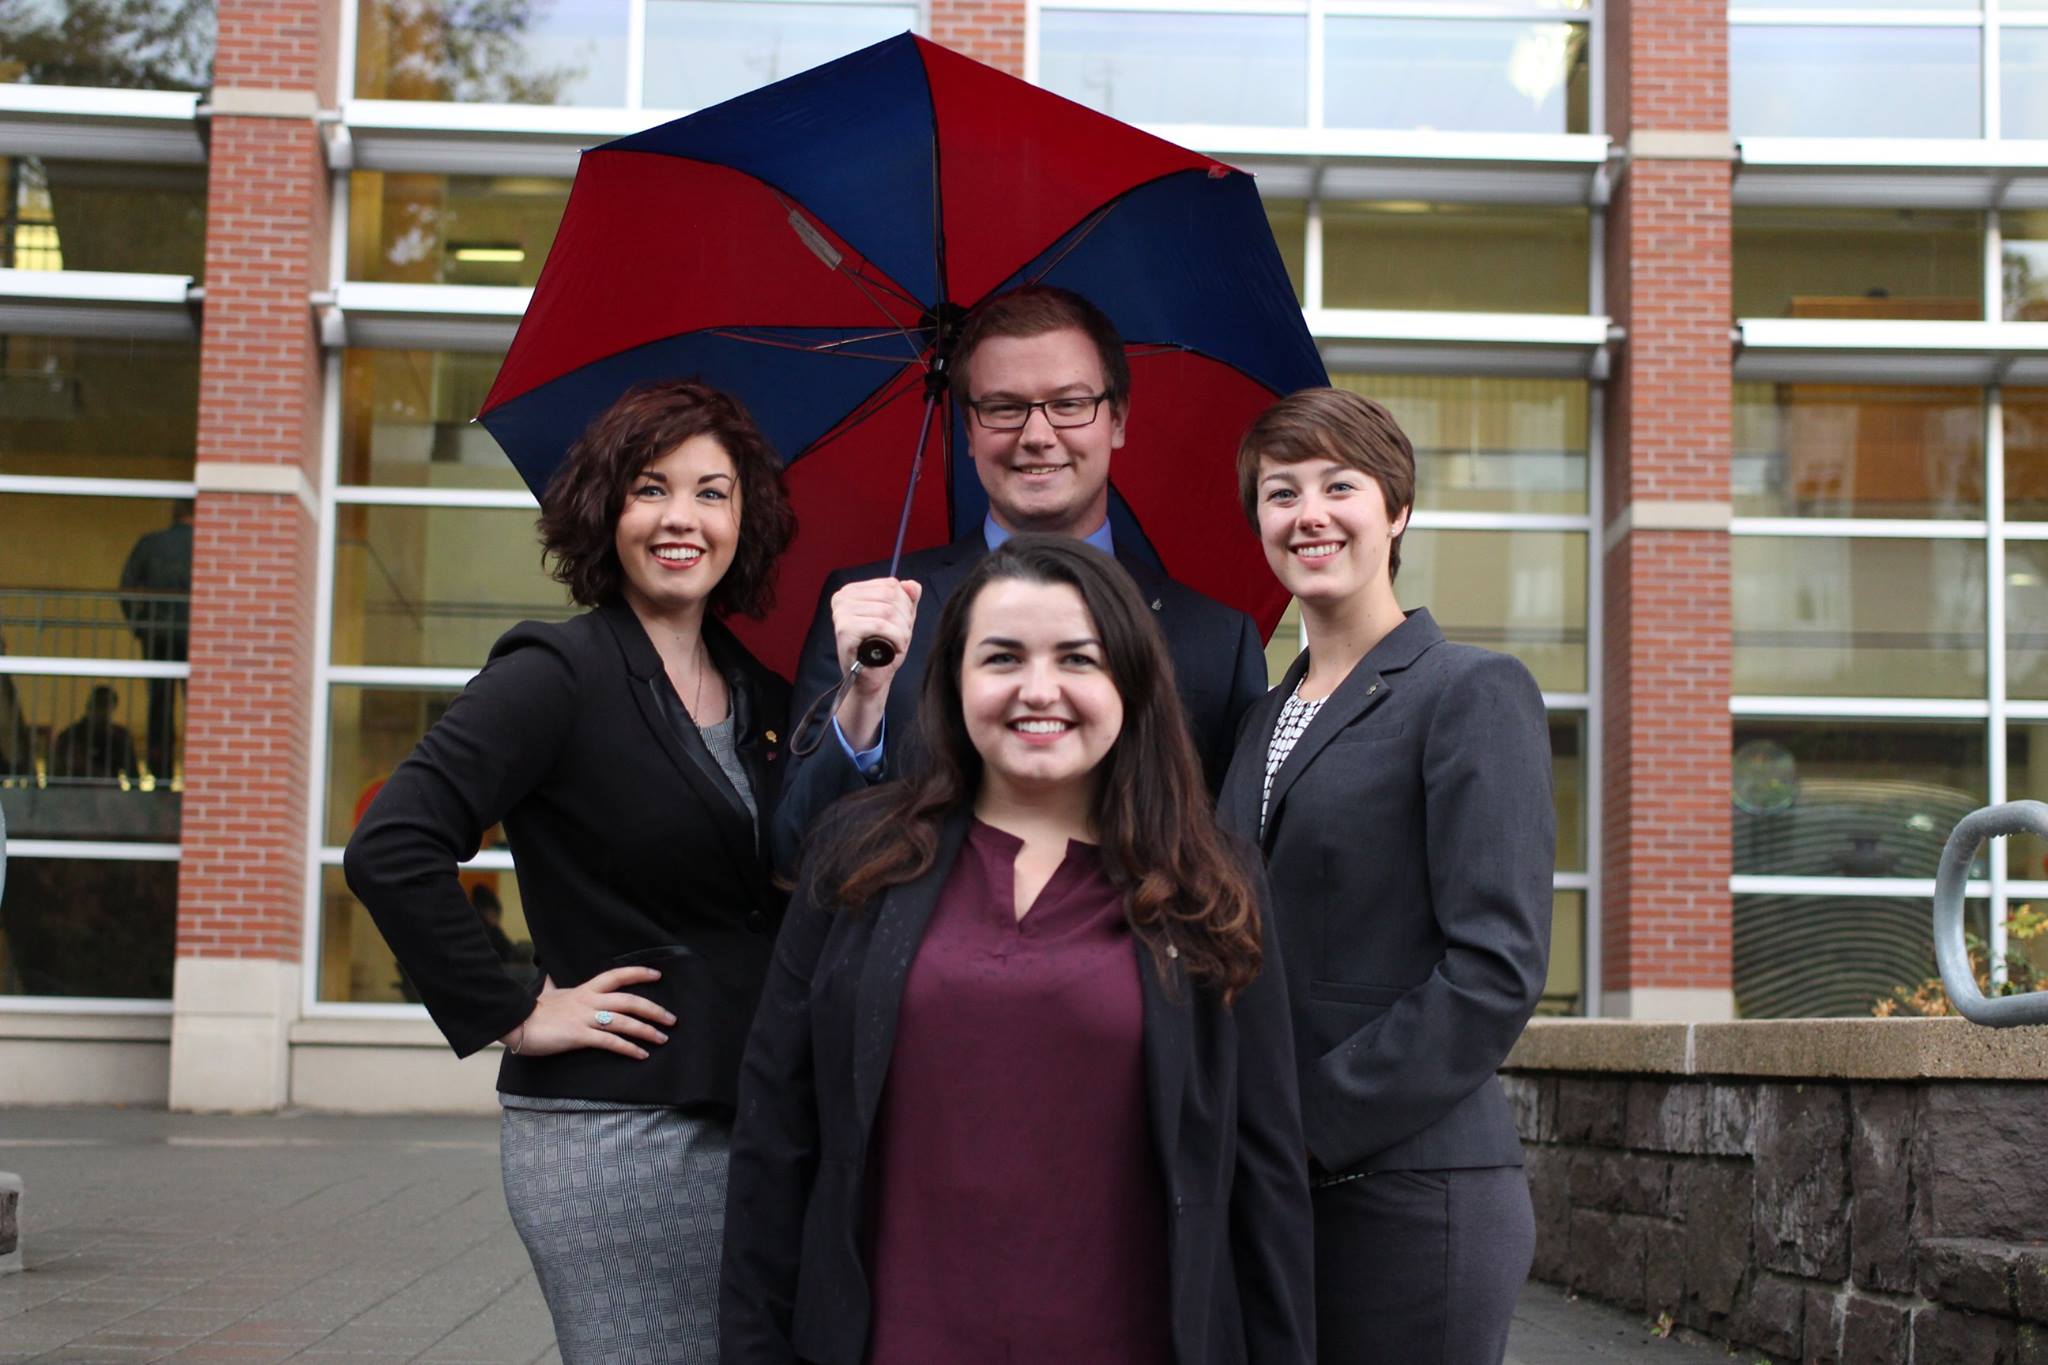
989,31
1665,851
241,888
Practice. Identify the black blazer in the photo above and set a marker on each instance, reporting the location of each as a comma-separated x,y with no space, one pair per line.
1223,1117
1410,845
631,845
1219,664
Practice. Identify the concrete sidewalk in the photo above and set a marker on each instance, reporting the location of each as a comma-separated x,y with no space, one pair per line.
154,1236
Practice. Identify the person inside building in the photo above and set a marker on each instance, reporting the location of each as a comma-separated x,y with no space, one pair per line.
1021,1085
629,753
94,748
1046,387
156,585
1399,786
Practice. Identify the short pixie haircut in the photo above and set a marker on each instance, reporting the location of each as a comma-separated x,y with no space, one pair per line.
1333,424
580,511
1032,310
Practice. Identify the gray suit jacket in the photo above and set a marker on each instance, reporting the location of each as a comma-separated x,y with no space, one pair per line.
1409,843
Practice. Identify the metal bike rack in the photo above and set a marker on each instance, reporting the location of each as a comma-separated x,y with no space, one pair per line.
1951,952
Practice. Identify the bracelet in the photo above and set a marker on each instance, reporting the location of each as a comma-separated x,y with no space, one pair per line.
517,1039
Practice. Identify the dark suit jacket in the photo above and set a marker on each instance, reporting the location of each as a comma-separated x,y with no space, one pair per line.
632,847
1223,1116
1219,664
1410,845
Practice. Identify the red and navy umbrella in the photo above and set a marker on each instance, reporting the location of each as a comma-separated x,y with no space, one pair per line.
807,245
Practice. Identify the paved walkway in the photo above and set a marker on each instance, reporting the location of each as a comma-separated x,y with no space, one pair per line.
154,1236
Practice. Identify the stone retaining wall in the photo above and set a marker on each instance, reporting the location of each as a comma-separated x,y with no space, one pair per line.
1868,1219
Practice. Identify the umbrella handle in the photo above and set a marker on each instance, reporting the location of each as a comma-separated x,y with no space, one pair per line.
874,652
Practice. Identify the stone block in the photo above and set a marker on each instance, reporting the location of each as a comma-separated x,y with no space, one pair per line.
10,1222
2030,1344
1533,1098
1802,1180
1881,1187
1771,1316
1607,1256
1729,1128
1716,1203
1875,1333
1975,1154
2030,1280
1821,1335
1622,1182
1667,1117
1961,1272
1591,1111
1956,1336
1548,1171
1664,1269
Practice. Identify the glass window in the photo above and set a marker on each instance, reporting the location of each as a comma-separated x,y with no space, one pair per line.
1818,956
1564,989
2026,453
702,51
91,758
1488,445
1460,257
2023,94
88,926
1178,68
102,215
1858,263
406,421
1833,450
1456,75
1289,221
435,586
94,578
2026,779
570,52
1521,592
369,731
452,229
1851,798
152,45
2023,241
2026,623
1857,617
98,407
1854,82
1568,787
357,966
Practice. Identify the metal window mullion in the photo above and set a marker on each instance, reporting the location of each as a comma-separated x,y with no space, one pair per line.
1861,708
1994,266
91,850
1910,887
50,666
1993,112
1852,528
484,860
636,53
1317,37
345,52
323,645
1994,655
63,486
80,1004
1847,18
397,675
1596,653
364,495
1423,520
1312,249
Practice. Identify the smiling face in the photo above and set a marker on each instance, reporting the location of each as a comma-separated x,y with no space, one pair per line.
1042,477
1035,690
1325,528
679,528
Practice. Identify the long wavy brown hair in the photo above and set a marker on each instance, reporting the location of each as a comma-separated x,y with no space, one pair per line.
1184,888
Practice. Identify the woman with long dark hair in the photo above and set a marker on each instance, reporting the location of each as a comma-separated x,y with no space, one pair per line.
1020,1087
629,753
1399,786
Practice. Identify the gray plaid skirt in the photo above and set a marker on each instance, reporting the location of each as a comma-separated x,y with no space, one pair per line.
623,1213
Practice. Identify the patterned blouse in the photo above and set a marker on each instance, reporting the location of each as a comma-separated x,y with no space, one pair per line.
1295,715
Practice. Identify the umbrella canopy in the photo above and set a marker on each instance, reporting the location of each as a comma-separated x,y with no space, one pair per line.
801,245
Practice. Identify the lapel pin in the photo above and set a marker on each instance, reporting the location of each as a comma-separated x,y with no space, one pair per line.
1155,604
769,735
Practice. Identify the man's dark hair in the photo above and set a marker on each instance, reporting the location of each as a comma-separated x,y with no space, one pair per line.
1032,310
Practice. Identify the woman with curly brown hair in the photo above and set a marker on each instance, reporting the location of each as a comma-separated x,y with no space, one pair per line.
1020,1087
630,754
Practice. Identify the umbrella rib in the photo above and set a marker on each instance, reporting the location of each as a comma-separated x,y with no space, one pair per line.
869,407
1081,233
835,261
825,348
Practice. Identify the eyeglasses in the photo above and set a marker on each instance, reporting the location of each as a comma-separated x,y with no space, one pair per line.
1010,414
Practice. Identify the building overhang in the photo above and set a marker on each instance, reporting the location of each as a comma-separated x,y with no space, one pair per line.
94,303
474,139
1892,172
1539,345
1829,350
101,125
424,317
1504,168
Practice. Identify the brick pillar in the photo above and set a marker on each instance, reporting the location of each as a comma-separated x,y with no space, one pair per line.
1665,932
242,888
989,31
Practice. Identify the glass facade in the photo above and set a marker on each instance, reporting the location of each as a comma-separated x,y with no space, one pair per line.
102,215
1455,257
1457,75
1840,450
152,45
1858,263
1855,81
452,229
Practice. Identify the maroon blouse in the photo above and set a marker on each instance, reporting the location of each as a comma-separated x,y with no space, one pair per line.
1017,1207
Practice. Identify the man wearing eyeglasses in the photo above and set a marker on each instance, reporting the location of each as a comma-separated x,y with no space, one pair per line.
1042,377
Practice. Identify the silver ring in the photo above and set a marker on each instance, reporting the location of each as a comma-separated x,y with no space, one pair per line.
604,1018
